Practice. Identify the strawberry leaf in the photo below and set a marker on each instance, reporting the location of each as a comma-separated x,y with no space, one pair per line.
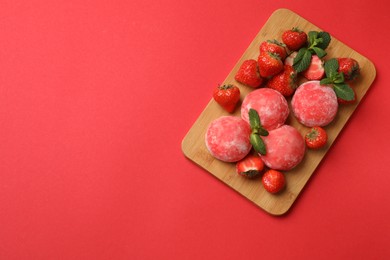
344,91
304,63
258,144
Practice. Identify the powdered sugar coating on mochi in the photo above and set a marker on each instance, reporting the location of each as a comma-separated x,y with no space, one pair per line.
227,138
271,106
314,105
285,148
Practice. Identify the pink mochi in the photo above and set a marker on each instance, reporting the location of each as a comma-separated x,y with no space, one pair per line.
285,148
227,138
271,106
313,104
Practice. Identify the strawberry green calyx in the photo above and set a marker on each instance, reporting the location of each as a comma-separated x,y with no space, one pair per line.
296,29
274,41
225,86
337,81
257,131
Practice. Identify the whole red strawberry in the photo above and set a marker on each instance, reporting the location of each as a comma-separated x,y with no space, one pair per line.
285,82
269,64
274,46
316,137
349,67
227,96
248,74
273,181
294,39
251,166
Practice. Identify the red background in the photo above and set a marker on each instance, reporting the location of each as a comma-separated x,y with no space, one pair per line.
95,98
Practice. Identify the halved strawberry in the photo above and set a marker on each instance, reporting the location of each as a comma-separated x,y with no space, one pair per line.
250,167
248,74
290,58
316,69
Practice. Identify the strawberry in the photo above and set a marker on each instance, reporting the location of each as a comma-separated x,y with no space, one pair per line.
250,166
248,74
227,96
316,137
349,67
294,39
269,64
285,82
316,69
273,181
274,46
290,58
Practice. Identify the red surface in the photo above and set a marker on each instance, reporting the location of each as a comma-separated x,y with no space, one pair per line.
95,98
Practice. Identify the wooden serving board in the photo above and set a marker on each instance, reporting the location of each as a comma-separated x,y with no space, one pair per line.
193,144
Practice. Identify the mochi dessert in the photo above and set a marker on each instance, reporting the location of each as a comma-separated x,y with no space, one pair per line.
313,104
285,148
271,106
227,138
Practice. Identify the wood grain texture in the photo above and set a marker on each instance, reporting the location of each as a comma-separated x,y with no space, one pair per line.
194,148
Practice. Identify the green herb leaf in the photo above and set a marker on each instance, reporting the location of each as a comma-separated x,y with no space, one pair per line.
338,77
312,35
326,81
299,55
344,91
324,43
263,132
304,63
331,66
320,52
258,144
254,119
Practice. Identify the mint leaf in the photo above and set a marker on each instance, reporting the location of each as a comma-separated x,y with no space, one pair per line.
331,66
254,119
312,35
258,144
262,131
299,55
344,91
304,63
338,77
324,43
257,130
326,81
320,52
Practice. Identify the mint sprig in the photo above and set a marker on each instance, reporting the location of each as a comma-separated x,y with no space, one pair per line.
257,131
318,42
337,81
